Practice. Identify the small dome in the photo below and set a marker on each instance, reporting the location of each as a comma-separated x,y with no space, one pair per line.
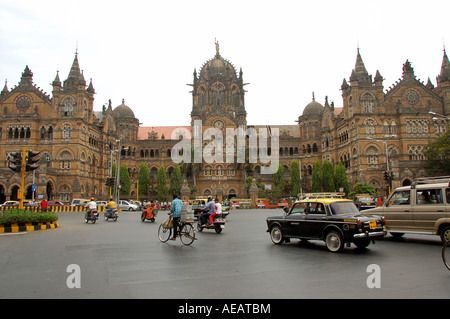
313,109
123,111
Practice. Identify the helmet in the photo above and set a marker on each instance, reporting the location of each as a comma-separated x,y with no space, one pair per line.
92,198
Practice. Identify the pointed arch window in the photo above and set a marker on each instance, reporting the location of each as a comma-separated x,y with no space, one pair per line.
368,103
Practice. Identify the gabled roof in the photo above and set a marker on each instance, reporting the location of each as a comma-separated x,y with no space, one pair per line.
409,79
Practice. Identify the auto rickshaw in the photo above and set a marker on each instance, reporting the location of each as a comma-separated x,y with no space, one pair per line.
149,213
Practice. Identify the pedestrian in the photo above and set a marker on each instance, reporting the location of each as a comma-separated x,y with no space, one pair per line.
44,205
175,211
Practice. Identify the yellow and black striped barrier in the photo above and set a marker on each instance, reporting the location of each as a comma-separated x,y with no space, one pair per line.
14,228
56,209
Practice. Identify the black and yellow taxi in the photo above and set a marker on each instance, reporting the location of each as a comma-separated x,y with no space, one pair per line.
336,221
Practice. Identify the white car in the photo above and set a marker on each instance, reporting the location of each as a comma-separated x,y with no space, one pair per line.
125,205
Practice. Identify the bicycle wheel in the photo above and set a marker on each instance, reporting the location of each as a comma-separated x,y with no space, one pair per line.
164,233
187,234
446,254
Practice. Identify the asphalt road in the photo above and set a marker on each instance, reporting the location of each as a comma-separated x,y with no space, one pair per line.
125,259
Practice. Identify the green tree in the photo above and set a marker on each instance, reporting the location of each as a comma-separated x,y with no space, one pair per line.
278,181
162,184
340,178
438,155
316,186
175,181
144,179
295,178
328,177
125,181
363,188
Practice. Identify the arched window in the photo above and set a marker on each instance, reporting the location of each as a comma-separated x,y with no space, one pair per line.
368,102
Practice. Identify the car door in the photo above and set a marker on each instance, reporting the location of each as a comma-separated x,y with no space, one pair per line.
294,220
398,211
429,207
315,220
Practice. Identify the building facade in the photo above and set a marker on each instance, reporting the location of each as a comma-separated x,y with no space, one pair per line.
375,129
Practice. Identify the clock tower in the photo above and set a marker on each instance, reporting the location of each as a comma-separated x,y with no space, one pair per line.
218,95
218,102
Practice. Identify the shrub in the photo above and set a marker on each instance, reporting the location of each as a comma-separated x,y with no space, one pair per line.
23,217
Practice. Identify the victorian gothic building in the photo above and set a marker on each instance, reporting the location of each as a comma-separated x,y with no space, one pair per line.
374,129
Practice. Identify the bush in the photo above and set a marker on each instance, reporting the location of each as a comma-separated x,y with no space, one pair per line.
23,217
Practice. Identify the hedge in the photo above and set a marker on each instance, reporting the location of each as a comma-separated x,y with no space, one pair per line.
19,216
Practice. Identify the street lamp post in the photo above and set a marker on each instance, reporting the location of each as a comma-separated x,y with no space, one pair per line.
387,161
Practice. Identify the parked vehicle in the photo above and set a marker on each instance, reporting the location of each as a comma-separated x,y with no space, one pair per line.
423,207
101,203
364,201
125,205
55,204
336,221
79,202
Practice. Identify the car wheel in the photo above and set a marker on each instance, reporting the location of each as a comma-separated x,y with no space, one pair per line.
334,241
276,234
130,209
445,234
362,243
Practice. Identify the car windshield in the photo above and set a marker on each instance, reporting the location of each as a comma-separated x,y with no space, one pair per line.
340,208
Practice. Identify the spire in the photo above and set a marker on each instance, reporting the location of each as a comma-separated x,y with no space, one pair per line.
5,88
90,88
359,65
359,73
75,76
445,68
75,69
56,81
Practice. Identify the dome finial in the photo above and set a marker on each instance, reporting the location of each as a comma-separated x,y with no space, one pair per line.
217,46
313,96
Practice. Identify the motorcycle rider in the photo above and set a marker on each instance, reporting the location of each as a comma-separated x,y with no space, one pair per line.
110,207
92,206
218,211
208,211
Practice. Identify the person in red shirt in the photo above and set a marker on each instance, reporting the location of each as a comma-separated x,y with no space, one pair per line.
44,205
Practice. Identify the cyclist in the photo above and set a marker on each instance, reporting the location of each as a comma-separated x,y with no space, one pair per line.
175,211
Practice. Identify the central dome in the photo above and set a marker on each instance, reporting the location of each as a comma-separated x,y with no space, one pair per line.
217,67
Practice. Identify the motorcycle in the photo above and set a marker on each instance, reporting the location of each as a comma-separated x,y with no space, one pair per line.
218,225
149,213
111,213
91,216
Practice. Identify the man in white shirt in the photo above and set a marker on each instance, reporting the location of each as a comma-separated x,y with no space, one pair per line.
217,211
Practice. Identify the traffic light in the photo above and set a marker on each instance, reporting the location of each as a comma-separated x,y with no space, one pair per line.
15,158
31,160
386,176
110,181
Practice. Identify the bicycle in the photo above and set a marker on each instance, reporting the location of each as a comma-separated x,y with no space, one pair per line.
186,233
446,254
